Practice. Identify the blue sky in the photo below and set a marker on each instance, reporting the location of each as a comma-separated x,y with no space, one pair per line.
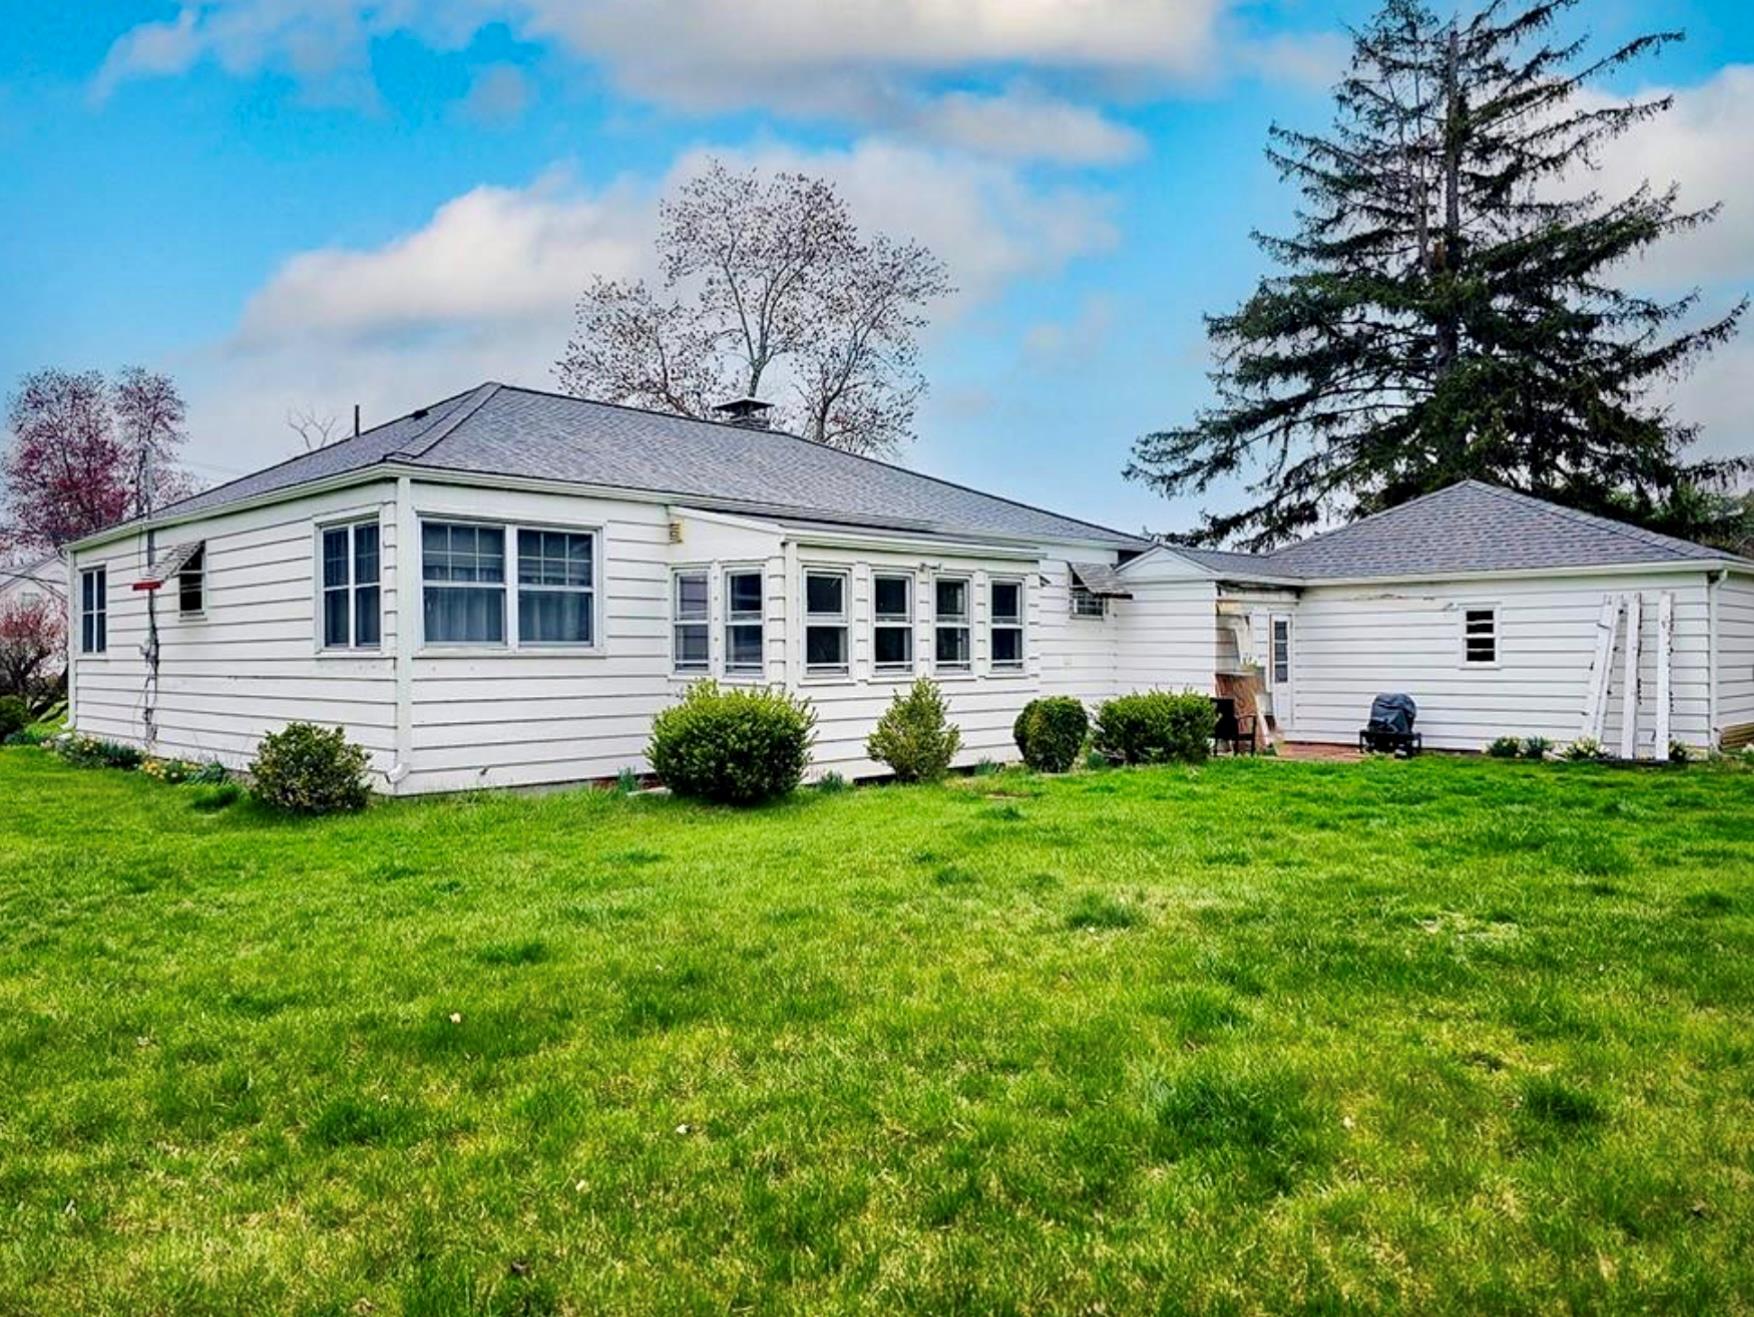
303,204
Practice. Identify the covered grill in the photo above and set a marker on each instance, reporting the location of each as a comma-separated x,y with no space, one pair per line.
1390,729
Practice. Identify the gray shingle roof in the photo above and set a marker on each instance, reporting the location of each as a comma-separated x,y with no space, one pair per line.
1466,527
501,430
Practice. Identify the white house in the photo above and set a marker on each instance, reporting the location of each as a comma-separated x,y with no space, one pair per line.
33,580
504,588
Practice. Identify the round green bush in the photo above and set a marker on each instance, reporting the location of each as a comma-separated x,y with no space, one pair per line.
732,746
306,769
14,715
1050,732
1155,727
915,737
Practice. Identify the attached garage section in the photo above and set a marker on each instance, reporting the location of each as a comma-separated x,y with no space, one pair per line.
1733,605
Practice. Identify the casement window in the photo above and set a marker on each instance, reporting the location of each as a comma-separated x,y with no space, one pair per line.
892,623
691,625
1480,636
462,570
1005,625
1281,651
950,643
94,610
191,584
352,615
1085,603
744,645
826,645
556,587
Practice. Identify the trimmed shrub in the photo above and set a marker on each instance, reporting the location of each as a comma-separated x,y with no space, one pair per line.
915,736
1505,747
732,746
306,769
1050,732
1156,726
14,715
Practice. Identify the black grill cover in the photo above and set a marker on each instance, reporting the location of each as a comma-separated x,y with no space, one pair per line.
1393,713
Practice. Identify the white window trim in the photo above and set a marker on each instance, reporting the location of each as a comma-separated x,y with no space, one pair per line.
352,649
100,608
1274,682
594,648
1479,606
966,623
1021,626
726,621
677,621
835,672
908,622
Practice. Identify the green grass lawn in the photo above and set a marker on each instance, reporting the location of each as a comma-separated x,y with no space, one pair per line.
1258,1036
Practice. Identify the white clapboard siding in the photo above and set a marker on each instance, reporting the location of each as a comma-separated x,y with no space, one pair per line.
1354,643
1735,657
1167,634
249,664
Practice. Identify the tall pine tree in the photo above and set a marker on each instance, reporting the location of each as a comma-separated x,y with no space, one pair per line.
1446,308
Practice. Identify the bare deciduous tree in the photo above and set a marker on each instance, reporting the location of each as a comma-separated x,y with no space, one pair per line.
314,431
767,283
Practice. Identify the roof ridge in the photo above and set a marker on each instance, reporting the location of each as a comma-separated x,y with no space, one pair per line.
444,426
800,439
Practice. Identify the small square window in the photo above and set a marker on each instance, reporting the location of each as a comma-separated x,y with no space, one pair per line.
1480,635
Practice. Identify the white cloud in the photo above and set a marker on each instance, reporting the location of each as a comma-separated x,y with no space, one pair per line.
1023,124
485,288
1701,144
872,63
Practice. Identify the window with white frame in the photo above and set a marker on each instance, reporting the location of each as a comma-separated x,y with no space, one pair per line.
826,646
1281,651
744,645
463,571
1480,635
691,627
892,623
94,610
1005,625
557,587
1087,603
352,616
191,584
950,643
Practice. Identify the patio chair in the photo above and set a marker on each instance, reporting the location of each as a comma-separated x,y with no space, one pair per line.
1390,729
1238,732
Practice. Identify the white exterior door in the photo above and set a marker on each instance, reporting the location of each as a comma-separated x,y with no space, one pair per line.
1279,670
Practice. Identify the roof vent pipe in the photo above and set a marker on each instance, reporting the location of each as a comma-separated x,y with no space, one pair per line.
750,413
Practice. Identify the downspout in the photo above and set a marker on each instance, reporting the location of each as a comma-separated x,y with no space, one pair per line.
1714,731
407,602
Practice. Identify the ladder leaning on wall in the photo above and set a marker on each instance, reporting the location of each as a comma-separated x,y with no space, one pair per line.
1599,693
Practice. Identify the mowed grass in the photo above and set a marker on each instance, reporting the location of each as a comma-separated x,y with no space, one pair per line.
1259,1036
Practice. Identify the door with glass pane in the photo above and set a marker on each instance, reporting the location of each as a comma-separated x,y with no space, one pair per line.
1279,671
